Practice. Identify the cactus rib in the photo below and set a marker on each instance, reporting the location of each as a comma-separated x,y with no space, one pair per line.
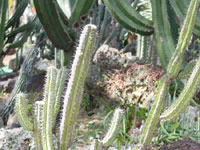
162,34
18,13
179,7
38,124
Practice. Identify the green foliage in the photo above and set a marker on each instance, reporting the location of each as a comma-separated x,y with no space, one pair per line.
29,107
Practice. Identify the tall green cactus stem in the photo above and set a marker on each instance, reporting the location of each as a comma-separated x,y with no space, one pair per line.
184,39
77,78
163,36
48,117
114,128
22,112
180,8
60,81
153,117
173,68
3,12
38,124
184,98
143,46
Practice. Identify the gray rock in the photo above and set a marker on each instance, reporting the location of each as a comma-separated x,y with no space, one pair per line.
7,85
16,139
10,61
42,65
13,122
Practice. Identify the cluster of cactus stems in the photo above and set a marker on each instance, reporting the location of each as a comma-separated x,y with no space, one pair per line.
133,21
172,71
47,110
163,25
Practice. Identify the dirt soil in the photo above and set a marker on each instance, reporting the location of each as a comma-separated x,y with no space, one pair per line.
185,144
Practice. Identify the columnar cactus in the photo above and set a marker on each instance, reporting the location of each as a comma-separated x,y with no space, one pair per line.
54,86
172,71
44,116
163,25
74,90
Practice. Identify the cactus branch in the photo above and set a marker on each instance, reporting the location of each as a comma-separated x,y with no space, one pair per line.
49,100
184,39
78,75
22,113
153,117
114,128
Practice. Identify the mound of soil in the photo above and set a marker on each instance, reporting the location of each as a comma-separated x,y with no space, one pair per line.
185,144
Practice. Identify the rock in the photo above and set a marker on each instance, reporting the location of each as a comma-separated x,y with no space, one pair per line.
13,122
7,85
10,61
16,139
190,115
106,56
42,65
185,144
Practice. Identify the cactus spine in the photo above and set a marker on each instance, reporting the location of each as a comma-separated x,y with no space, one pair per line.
172,71
75,85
